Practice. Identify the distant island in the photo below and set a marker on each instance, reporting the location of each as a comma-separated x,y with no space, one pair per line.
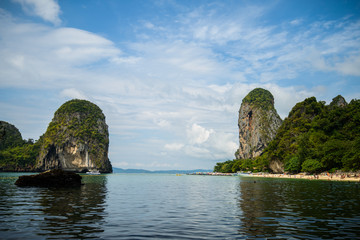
120,170
77,139
314,138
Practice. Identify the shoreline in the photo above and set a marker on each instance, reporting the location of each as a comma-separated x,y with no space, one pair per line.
353,177
323,176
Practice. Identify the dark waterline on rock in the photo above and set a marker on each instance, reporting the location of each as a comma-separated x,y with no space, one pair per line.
143,206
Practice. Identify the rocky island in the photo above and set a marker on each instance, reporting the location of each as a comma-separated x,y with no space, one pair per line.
258,123
10,136
77,139
314,138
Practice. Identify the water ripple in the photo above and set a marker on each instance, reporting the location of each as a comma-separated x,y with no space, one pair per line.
144,206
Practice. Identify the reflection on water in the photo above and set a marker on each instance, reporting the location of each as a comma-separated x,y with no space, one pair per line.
143,206
299,208
75,212
55,213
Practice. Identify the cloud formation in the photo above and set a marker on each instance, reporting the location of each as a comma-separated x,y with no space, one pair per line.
171,94
48,10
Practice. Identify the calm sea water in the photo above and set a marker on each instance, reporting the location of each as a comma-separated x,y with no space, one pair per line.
150,206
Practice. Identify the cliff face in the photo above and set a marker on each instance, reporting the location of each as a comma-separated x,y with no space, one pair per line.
77,139
9,136
258,123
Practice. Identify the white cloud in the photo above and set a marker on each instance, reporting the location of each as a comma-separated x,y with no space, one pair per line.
49,10
176,94
73,93
34,55
350,66
174,146
197,134
297,21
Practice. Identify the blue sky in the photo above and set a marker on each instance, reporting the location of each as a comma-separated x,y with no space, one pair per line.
170,75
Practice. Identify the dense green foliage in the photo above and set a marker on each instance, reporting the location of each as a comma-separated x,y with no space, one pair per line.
16,153
77,119
313,138
260,97
9,136
21,157
80,121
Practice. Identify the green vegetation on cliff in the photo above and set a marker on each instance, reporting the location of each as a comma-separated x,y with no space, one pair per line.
9,136
77,122
261,98
78,119
21,157
16,154
314,138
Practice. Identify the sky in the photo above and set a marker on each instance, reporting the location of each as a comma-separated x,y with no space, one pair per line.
170,75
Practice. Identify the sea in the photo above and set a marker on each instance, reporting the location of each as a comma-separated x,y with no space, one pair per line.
170,206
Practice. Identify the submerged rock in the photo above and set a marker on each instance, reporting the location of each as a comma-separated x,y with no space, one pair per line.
52,178
258,123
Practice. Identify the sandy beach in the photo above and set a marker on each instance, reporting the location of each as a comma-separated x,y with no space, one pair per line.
355,177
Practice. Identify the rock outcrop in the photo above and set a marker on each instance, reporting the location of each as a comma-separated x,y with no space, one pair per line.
53,178
77,139
338,101
10,136
258,123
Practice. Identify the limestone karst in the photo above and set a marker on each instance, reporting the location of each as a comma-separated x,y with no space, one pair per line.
77,139
258,123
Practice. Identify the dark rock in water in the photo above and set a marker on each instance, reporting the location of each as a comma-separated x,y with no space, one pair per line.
52,178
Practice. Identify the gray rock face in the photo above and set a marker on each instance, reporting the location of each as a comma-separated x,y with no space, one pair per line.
338,101
77,139
258,123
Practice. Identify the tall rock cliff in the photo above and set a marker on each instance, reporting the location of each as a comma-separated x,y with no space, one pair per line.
258,123
77,139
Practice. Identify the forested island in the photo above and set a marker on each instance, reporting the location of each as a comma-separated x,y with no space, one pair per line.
16,154
77,139
314,138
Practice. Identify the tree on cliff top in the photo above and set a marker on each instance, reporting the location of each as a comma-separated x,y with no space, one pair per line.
76,118
260,97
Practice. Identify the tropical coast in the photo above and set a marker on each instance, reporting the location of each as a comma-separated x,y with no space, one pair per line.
348,176
355,177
